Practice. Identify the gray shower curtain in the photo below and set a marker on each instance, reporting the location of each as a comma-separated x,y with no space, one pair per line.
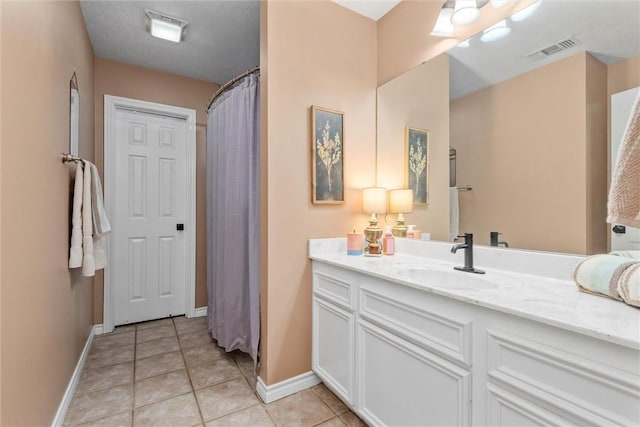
233,220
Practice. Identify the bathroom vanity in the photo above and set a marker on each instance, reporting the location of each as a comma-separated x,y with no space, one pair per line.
408,341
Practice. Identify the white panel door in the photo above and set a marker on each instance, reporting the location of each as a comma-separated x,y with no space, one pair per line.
150,202
622,238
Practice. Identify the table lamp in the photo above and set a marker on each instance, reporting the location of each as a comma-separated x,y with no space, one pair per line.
400,202
374,201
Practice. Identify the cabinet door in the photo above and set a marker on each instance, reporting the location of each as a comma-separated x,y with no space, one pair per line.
334,347
401,384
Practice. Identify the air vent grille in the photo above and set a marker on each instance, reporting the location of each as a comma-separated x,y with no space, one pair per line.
554,48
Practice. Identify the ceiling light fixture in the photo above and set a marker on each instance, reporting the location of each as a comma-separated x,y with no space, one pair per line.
165,27
444,27
499,3
526,12
464,43
465,12
495,32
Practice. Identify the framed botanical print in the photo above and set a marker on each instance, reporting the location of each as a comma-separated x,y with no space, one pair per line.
417,163
327,148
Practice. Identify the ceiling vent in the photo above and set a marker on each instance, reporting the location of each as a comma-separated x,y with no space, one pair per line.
554,48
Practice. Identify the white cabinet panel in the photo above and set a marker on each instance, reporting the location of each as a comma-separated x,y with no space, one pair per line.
404,385
334,348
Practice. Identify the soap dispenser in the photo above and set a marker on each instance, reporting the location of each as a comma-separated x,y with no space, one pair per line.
410,233
388,242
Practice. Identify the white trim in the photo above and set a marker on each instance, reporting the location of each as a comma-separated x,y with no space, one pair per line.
75,378
200,312
111,104
273,392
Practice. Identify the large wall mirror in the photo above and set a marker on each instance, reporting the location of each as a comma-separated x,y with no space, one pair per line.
528,117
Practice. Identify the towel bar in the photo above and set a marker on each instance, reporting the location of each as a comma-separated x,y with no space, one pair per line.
66,157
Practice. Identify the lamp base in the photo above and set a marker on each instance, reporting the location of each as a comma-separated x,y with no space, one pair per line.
373,249
400,230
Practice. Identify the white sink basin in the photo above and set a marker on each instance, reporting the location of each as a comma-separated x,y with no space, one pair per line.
459,280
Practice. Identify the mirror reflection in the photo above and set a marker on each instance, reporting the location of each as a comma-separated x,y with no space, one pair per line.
74,115
529,119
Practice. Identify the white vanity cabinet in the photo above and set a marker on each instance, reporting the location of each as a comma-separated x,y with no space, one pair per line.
402,355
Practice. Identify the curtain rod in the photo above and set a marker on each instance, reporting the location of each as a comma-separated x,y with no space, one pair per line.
230,83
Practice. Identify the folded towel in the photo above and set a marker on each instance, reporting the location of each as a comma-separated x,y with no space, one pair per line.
454,214
628,254
623,205
88,261
629,285
101,224
600,274
75,251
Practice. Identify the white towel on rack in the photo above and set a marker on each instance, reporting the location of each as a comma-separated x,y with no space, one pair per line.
88,260
75,251
454,214
101,226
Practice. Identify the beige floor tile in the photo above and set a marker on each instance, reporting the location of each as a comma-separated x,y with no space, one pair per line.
188,326
352,420
113,356
254,416
99,404
203,353
119,420
156,347
301,409
151,334
333,422
107,342
195,339
179,411
330,399
222,399
105,377
154,324
162,387
212,373
245,363
158,365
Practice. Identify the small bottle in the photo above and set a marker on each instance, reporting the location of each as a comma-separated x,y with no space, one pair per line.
417,234
410,232
388,242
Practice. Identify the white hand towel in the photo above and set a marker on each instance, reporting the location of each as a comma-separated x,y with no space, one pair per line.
454,214
88,261
75,251
101,224
624,194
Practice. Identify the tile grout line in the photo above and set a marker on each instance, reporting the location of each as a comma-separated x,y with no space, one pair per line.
186,368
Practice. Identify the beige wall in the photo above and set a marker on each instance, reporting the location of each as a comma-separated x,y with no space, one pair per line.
623,75
129,81
404,40
402,102
323,54
532,148
46,309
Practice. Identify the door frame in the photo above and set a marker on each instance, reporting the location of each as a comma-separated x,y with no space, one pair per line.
111,105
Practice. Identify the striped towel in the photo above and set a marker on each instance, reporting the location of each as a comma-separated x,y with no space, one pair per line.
629,285
600,274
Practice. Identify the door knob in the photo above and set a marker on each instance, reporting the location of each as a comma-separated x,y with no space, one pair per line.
180,227
619,229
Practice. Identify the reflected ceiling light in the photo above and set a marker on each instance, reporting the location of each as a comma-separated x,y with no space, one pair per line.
165,27
526,12
495,32
499,3
464,43
465,12
444,27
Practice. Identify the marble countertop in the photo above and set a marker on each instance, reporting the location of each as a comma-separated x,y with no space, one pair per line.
538,287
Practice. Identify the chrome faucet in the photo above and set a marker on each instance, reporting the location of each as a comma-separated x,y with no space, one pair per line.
468,254
493,236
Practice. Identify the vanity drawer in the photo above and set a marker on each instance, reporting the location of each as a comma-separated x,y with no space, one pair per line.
334,286
407,312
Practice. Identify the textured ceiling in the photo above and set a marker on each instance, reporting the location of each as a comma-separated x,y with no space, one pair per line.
373,9
608,29
222,39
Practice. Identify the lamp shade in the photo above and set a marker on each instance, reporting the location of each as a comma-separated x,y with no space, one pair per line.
374,200
401,201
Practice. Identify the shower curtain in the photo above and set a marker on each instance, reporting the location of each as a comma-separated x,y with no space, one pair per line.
233,217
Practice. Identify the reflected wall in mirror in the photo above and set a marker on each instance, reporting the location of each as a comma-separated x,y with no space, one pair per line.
530,128
74,115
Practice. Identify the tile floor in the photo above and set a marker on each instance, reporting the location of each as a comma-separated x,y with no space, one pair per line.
170,372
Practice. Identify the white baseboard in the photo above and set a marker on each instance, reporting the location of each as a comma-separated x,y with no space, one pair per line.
200,312
98,329
273,392
73,383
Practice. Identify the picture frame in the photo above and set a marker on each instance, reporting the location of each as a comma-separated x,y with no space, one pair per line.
327,156
416,164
